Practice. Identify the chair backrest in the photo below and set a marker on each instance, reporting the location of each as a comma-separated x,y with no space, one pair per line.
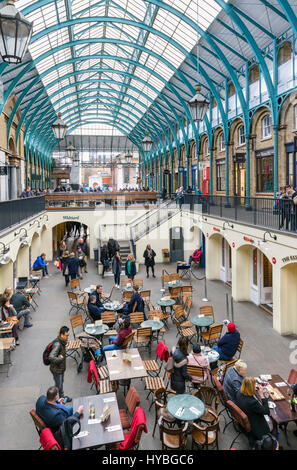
180,313
177,323
145,332
108,317
137,282
175,291
85,303
132,400
187,290
239,416
125,281
155,313
72,295
179,432
195,371
75,283
220,390
174,277
127,340
209,429
145,294
188,304
165,278
228,365
292,377
136,317
215,330
207,394
38,422
127,295
76,321
207,311
239,349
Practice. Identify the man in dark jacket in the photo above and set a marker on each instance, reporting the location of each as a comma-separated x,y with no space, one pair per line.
22,307
94,310
135,299
179,374
73,266
98,295
52,410
57,358
228,344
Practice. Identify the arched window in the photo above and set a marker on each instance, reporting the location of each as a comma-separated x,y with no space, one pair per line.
266,126
222,144
206,147
241,135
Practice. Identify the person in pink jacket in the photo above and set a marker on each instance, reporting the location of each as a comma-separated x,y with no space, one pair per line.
197,359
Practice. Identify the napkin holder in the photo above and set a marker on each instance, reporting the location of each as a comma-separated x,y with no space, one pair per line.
156,319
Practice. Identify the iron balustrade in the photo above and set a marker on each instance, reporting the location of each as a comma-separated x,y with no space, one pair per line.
91,200
18,210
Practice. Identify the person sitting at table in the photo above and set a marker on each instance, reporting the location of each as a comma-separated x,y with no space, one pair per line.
41,265
130,267
255,407
180,361
52,410
198,359
115,342
228,344
94,310
98,294
7,310
22,307
233,379
135,299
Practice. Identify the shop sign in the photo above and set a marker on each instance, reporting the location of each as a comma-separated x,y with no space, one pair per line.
273,260
289,258
70,217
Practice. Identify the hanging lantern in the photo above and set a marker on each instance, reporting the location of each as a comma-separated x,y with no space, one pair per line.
70,150
147,143
59,128
15,34
198,105
76,158
128,157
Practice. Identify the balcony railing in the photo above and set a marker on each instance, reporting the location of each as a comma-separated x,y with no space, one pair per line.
91,200
18,210
274,214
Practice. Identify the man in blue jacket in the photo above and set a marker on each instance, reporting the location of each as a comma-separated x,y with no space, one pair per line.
228,344
94,310
52,411
40,264
135,299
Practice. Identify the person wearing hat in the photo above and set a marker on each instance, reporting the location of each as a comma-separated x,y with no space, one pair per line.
228,344
197,359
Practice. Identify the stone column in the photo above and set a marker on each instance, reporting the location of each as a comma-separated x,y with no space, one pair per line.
13,183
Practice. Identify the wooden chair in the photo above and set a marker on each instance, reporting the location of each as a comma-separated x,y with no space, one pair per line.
137,282
173,438
181,315
132,401
146,295
108,317
137,438
196,371
76,302
174,277
222,399
154,383
107,386
207,311
175,293
206,436
163,315
165,278
127,295
239,349
239,419
209,396
227,366
188,333
186,291
127,341
143,337
213,334
38,422
187,304
75,287
125,281
153,366
106,295
136,318
160,401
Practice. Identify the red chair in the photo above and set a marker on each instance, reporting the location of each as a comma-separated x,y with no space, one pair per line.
292,377
47,440
240,421
132,402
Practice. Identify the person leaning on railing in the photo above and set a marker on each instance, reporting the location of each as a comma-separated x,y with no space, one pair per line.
26,193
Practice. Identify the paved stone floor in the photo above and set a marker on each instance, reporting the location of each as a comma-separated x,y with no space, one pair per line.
264,350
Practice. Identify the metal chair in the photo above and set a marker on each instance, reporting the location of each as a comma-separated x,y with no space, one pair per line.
143,337
239,419
213,334
76,302
173,438
206,436
188,333
132,401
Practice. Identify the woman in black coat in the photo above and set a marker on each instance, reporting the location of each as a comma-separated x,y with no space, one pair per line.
149,260
255,407
179,374
65,270
73,266
104,259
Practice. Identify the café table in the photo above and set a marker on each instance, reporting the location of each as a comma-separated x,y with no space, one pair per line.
113,306
171,284
99,434
211,354
166,303
155,325
185,407
29,293
89,290
96,330
281,414
125,370
201,321
34,281
6,345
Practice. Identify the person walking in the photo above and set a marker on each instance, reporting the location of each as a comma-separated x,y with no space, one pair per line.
180,361
116,269
130,267
65,269
73,266
57,359
180,196
81,261
104,259
149,260
113,246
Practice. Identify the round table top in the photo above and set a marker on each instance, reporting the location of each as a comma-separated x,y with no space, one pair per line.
193,407
211,354
154,324
89,290
201,321
173,284
130,288
96,329
113,306
166,303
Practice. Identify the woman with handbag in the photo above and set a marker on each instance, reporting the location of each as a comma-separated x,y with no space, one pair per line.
180,360
8,313
130,267
104,259
65,269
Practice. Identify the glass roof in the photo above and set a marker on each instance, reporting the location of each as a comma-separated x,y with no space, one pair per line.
108,56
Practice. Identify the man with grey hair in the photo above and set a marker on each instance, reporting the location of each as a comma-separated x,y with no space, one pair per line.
233,379
94,310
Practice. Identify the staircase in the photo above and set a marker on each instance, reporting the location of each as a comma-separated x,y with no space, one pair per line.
125,249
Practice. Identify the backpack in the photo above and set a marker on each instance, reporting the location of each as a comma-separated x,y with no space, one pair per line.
46,353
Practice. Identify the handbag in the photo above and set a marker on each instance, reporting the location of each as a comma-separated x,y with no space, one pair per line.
66,272
169,366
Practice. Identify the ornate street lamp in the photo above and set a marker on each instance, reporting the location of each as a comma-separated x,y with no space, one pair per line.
75,157
128,157
59,128
15,34
71,151
198,105
147,143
